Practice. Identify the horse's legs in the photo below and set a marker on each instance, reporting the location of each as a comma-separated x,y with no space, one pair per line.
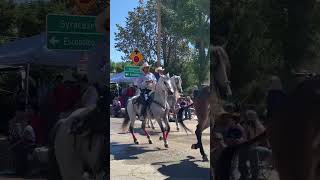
143,127
135,140
166,122
198,133
176,118
177,123
148,123
163,133
152,126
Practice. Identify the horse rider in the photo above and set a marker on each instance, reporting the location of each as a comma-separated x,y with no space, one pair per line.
158,72
146,84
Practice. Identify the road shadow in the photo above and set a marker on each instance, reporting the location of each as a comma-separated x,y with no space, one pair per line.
156,132
128,151
184,170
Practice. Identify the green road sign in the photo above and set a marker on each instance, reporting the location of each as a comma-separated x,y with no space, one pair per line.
72,32
132,71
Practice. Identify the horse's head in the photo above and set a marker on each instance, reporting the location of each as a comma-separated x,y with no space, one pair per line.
165,84
177,83
221,71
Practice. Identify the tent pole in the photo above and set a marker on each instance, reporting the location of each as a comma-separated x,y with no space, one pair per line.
27,86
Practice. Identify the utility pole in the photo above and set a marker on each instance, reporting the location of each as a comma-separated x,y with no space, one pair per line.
159,33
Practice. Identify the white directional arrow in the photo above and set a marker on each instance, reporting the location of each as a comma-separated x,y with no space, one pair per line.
53,40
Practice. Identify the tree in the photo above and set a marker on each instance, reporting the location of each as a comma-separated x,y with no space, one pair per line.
139,32
24,20
189,19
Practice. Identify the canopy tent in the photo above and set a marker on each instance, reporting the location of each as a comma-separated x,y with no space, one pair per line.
4,68
32,50
120,78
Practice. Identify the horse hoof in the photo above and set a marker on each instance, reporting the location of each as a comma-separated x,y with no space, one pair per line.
153,128
166,146
194,146
136,142
178,129
150,141
205,159
160,138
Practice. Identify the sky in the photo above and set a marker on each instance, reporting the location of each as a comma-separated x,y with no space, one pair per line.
118,12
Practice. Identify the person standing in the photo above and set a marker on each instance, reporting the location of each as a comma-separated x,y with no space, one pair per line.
188,109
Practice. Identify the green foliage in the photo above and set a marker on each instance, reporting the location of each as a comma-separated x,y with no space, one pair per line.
184,37
119,66
261,42
25,20
139,32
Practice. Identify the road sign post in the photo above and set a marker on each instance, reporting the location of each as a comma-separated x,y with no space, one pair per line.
72,32
132,71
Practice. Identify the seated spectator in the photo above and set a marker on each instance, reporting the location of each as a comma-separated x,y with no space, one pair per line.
234,133
116,107
253,127
24,147
217,144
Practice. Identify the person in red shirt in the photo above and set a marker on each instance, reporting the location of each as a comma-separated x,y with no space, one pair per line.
60,96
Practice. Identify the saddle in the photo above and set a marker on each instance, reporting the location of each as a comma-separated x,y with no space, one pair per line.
145,103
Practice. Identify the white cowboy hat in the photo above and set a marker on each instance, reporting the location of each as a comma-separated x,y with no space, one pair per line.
159,69
144,65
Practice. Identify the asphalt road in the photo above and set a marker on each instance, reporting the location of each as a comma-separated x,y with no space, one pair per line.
154,161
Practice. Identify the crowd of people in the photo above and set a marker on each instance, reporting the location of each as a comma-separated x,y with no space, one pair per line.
236,127
32,123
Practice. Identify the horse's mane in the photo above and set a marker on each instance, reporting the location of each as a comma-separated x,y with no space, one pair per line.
221,56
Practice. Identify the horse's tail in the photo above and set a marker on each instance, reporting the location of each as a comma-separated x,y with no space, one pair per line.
126,121
224,164
54,172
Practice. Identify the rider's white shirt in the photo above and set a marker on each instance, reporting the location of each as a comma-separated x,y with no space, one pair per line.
147,77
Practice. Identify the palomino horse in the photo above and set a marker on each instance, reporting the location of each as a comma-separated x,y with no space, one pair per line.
158,110
79,143
208,103
294,134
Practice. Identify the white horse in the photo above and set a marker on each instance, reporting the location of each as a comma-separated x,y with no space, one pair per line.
158,109
176,83
172,99
79,142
